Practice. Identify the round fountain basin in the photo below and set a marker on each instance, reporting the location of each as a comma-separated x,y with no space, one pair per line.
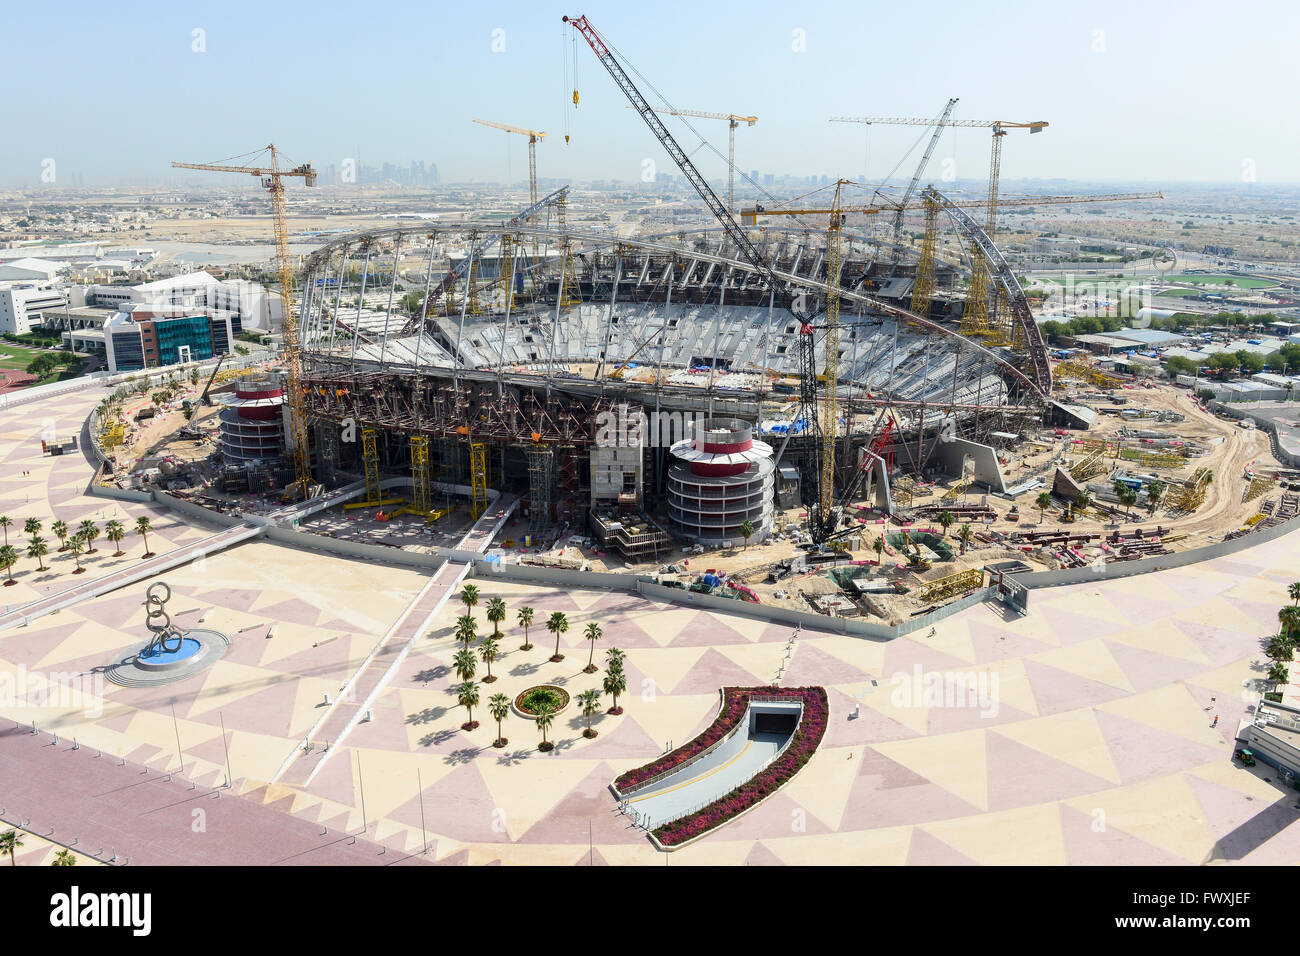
164,659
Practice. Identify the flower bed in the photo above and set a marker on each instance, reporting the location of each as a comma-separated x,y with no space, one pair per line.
559,692
807,737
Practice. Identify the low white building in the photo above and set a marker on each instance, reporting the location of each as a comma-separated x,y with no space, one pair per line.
22,305
245,304
39,270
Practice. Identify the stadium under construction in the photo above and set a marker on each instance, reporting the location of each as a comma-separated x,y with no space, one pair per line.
527,348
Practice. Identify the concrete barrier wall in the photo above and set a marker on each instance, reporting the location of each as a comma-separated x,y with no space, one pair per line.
122,494
197,512
373,553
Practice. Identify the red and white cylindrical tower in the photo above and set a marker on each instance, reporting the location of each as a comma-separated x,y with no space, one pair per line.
721,479
252,423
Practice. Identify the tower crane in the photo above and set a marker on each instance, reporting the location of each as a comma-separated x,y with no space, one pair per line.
273,182
980,317
896,251
534,137
733,121
999,128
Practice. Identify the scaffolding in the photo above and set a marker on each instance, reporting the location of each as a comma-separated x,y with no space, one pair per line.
1153,459
1191,494
1083,372
478,479
569,293
507,271
958,488
923,285
1257,487
1091,466
370,459
327,452
903,492
541,478
941,589
421,497
472,307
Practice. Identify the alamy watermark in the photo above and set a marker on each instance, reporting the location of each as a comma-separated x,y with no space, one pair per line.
626,426
951,689
59,690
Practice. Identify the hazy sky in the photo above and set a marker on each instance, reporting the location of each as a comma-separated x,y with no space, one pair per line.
1133,90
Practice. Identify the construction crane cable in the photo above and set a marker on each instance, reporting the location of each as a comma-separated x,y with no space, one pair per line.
668,107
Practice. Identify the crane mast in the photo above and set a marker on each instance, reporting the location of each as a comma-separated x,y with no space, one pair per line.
273,181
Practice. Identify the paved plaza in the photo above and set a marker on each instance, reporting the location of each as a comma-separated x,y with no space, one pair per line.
1083,733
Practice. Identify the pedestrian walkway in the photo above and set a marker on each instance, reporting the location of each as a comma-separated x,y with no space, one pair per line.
85,590
356,698
120,812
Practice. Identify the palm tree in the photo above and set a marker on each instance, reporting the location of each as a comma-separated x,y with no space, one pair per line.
115,533
469,594
614,659
615,683
1082,499
545,717
8,558
878,546
499,708
496,613
1278,674
75,544
64,858
6,523
32,526
594,633
746,531
1155,491
525,619
489,650
464,664
60,531
557,624
1043,502
37,548
589,701
946,520
89,531
466,629
964,534
467,697
1290,618
9,843
142,528
1128,498
1293,590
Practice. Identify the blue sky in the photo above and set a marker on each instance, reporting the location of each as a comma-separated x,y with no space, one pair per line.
1134,91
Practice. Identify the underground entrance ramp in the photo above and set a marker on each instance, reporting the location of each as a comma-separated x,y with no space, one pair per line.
760,738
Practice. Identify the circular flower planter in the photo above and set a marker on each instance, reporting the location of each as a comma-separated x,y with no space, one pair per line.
517,705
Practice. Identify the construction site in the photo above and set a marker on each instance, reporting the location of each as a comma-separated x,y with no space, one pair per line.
804,406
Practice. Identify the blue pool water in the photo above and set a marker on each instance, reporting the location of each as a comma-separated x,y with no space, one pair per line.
189,647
